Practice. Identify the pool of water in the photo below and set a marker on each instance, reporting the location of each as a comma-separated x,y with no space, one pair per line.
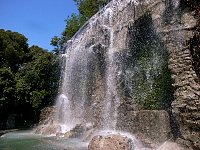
25,140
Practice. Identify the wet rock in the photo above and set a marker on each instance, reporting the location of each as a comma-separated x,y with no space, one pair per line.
153,125
73,134
59,134
147,142
48,129
147,124
110,142
80,130
46,125
69,134
11,121
188,20
46,115
182,65
171,146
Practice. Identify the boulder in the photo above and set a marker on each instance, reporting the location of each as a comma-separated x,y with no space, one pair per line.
110,142
79,131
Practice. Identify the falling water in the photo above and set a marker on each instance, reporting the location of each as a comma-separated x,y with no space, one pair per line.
70,102
75,97
63,114
111,100
72,97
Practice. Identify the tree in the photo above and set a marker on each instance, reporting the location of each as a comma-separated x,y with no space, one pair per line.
55,42
97,3
13,49
73,24
41,74
7,86
29,77
88,8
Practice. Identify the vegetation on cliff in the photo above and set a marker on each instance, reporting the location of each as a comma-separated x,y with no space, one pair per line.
86,9
151,82
28,78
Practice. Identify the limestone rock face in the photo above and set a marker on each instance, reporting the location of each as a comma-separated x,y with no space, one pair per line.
186,102
46,114
148,124
46,125
154,124
110,142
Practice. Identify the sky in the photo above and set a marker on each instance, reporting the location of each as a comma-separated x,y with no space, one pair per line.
38,20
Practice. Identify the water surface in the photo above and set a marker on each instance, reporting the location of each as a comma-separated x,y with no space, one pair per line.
25,140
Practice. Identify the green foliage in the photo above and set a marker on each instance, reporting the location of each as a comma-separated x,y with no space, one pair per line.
152,86
22,90
41,73
161,95
7,86
13,49
55,41
151,80
37,97
87,8
28,76
73,24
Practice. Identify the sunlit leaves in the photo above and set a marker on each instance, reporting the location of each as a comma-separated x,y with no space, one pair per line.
28,76
13,49
73,23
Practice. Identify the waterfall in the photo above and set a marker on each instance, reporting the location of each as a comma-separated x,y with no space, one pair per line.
75,104
109,69
70,102
63,114
112,99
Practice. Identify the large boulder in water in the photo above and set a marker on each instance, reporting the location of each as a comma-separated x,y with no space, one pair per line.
80,131
110,142
76,132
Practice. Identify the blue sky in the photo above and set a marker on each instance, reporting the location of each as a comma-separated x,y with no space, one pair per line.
38,20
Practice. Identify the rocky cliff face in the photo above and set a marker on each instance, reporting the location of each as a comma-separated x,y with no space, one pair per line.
183,62
123,44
